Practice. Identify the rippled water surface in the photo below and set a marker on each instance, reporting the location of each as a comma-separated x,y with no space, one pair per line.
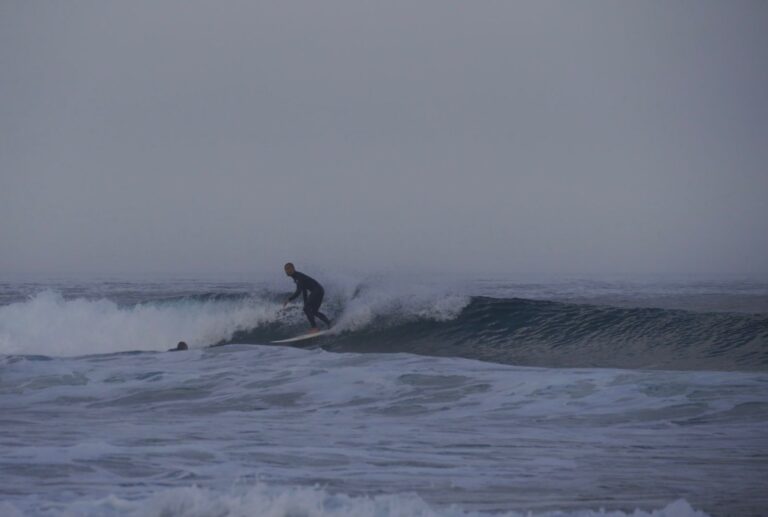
486,437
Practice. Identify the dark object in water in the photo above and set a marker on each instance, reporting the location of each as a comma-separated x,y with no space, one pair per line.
181,346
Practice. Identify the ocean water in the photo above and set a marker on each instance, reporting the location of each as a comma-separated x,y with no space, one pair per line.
470,397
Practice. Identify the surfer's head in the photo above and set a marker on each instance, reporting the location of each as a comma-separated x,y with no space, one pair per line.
289,269
181,346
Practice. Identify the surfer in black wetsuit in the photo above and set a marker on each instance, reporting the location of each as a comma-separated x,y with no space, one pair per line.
304,285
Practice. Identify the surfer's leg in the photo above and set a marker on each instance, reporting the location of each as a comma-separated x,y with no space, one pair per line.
322,317
310,311
317,299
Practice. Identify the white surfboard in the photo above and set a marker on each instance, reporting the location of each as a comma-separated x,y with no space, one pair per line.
302,337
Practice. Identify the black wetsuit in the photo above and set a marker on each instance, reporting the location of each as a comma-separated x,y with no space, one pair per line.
312,302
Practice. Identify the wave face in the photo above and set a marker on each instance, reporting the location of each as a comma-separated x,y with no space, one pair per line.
554,334
390,319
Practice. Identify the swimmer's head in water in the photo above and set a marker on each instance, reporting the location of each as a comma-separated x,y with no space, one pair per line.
182,346
289,269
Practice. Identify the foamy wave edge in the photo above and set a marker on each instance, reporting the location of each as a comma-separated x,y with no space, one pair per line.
48,324
265,501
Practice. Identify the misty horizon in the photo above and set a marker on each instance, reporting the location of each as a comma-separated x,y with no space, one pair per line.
192,139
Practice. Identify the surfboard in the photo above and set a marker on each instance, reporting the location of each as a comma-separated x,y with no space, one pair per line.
302,337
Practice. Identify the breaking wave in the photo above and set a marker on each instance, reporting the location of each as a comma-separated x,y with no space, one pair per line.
504,330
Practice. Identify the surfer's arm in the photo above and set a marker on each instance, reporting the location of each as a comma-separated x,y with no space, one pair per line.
294,295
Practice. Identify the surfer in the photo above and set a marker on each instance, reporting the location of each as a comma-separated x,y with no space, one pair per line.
304,285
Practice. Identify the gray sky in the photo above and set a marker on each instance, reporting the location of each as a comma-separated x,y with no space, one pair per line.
478,137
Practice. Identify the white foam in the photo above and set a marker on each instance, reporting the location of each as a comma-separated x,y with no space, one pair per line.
397,301
266,501
47,324
379,423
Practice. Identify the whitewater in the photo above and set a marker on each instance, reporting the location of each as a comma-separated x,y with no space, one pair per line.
472,397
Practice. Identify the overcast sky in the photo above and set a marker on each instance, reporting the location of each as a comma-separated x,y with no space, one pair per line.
484,137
